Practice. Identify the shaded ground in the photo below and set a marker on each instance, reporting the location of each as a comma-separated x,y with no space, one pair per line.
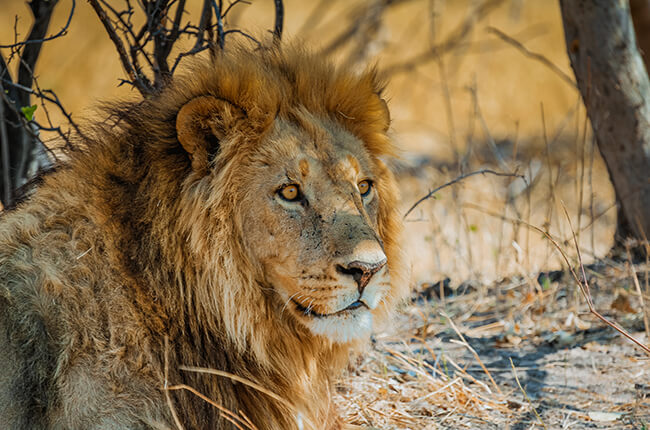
575,371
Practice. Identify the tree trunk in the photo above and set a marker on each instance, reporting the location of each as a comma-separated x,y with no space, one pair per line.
22,154
641,18
614,85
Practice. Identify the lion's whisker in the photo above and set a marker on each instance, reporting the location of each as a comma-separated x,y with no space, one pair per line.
287,302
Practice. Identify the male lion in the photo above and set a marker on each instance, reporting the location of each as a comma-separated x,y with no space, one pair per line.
242,221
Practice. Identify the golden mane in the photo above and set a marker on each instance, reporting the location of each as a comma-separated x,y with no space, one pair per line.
144,255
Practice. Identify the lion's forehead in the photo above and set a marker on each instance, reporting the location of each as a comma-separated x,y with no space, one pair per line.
323,150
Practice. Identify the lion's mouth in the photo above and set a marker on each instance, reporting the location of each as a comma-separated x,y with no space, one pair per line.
312,313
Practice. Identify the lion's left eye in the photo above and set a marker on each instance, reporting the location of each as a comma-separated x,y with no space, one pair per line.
364,187
290,192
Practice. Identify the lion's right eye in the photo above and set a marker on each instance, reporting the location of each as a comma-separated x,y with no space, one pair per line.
290,192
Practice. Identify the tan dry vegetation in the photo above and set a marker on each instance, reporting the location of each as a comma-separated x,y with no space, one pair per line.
481,104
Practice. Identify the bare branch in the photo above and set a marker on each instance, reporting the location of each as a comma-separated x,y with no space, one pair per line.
4,70
142,86
136,48
279,21
586,291
246,35
217,14
535,56
40,40
51,97
458,179
7,190
199,45
359,17
233,4
173,36
581,280
42,11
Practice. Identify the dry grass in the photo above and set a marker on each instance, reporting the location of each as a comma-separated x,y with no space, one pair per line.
513,358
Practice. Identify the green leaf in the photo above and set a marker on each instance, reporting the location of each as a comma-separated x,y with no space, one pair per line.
473,228
28,111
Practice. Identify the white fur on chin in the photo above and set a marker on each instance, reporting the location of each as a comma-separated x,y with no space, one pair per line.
352,325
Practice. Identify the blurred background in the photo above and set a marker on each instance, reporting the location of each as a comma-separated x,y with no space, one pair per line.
472,85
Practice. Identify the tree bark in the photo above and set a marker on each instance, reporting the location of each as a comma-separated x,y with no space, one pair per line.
641,18
22,155
614,85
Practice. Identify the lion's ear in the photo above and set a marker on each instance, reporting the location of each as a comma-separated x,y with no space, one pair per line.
201,124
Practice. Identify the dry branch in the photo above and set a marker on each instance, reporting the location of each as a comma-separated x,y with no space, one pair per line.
43,26
534,55
458,179
279,20
137,81
4,154
153,42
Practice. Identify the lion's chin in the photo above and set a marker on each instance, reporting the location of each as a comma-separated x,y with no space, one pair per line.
343,328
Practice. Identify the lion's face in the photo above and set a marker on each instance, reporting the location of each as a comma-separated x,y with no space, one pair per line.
310,219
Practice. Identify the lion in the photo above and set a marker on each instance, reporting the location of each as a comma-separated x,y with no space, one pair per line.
209,257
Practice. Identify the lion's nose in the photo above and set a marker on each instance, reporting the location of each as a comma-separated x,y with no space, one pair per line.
361,271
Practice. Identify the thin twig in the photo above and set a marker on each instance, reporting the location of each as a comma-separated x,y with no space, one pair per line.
587,291
217,14
514,370
458,179
233,4
246,382
227,415
61,33
121,51
637,286
246,35
584,286
4,147
533,55
474,353
170,404
52,98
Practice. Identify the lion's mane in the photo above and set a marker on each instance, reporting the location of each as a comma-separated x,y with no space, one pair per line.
124,266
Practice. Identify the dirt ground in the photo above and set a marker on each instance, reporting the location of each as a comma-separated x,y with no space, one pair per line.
452,362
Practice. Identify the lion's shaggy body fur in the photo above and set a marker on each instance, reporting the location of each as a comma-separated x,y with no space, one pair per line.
127,263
